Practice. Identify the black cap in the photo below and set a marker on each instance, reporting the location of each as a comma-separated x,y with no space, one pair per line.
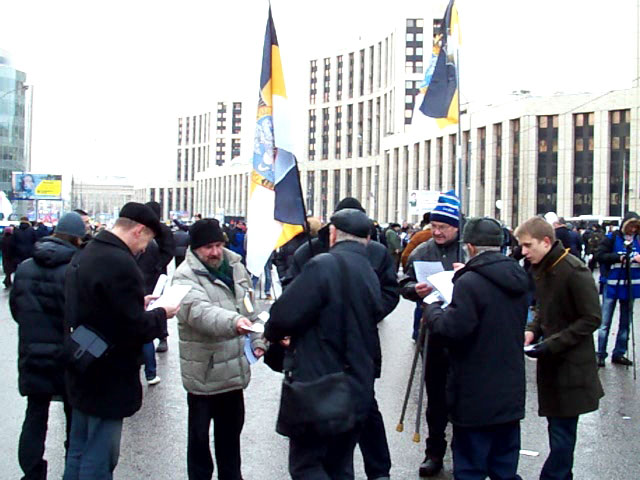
142,214
353,221
204,232
155,206
482,232
349,202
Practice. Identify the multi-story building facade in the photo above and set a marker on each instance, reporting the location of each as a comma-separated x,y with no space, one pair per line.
209,168
572,154
13,104
567,153
101,197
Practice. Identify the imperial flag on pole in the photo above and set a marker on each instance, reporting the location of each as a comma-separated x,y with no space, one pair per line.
276,210
440,85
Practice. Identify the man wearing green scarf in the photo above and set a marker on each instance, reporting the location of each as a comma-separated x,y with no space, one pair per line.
216,317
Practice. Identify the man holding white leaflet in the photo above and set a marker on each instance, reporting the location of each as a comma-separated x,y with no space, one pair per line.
212,325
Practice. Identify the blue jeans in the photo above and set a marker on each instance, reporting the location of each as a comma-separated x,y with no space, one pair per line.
562,442
484,452
149,352
94,447
622,339
417,317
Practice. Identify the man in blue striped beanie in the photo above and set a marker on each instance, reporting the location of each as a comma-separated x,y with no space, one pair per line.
442,247
447,210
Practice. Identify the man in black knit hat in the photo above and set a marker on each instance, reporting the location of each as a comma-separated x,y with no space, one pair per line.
216,316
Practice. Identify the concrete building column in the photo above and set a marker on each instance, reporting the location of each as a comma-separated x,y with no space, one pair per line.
565,165
601,162
634,168
528,166
506,190
404,167
383,186
489,203
447,181
475,196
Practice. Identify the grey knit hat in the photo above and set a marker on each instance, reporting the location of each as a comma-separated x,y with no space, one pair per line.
71,224
482,232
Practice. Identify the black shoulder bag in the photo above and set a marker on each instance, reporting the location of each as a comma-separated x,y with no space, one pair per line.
83,346
321,407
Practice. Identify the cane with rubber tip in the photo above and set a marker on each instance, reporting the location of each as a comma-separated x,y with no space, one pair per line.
400,426
416,435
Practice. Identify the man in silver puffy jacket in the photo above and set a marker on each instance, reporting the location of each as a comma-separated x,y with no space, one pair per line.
213,323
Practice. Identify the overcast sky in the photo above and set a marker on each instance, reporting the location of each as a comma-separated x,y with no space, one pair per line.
111,78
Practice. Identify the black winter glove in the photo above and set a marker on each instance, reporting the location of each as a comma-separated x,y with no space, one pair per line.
539,350
427,313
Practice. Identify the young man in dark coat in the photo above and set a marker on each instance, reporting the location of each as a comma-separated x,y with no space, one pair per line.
37,305
105,292
443,247
373,441
330,327
567,314
482,329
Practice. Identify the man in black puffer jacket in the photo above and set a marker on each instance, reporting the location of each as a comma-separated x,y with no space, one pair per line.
37,305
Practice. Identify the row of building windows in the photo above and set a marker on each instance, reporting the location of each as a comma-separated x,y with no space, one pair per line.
195,129
370,137
547,168
374,63
198,161
184,199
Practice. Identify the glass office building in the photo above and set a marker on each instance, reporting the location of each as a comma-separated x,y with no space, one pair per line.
12,121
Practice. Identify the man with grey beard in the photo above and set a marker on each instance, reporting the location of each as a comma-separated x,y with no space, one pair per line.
216,316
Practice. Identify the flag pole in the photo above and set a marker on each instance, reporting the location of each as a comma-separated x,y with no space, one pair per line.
307,230
460,179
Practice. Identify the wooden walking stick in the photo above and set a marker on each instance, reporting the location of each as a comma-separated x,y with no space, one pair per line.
416,434
400,426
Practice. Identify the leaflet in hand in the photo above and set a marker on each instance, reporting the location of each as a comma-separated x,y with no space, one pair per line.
160,284
248,351
425,269
256,328
172,296
443,283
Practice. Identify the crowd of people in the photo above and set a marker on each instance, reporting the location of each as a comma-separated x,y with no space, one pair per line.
83,304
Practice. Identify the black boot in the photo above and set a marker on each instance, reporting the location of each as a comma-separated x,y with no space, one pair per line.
430,467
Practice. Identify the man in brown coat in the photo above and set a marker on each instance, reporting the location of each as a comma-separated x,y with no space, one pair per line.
568,312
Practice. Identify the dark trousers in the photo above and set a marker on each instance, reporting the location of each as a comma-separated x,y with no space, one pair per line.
328,458
227,412
373,445
491,452
34,434
436,380
562,441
